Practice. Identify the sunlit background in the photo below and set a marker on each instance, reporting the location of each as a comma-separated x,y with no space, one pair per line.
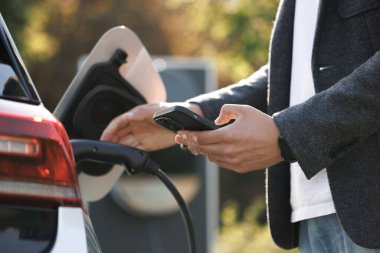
52,34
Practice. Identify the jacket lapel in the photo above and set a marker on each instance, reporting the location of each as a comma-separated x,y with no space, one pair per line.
280,57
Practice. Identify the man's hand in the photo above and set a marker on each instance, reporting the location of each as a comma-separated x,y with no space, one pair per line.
136,128
250,143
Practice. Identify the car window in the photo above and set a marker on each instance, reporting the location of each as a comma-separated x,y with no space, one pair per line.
27,230
15,82
10,86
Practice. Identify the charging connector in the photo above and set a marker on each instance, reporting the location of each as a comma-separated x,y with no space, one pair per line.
136,161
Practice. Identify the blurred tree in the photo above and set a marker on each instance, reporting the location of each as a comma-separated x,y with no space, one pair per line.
52,34
248,234
14,13
234,33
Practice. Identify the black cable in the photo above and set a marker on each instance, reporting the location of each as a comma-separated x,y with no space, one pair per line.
135,161
153,169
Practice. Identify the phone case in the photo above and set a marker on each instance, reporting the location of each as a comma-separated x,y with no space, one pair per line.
180,118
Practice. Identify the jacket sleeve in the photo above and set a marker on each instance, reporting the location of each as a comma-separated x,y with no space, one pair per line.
251,91
329,124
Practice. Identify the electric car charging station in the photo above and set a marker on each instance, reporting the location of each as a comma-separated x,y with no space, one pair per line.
141,206
117,75
137,213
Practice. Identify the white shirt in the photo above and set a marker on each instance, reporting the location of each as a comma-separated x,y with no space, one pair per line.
308,198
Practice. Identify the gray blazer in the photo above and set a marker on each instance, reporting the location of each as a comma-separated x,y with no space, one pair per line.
337,129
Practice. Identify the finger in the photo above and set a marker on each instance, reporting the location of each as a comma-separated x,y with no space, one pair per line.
217,150
181,139
114,126
129,140
124,131
219,159
139,146
114,139
195,150
138,113
228,112
192,144
203,137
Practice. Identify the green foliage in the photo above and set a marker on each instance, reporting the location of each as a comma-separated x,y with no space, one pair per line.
247,235
38,43
234,33
14,14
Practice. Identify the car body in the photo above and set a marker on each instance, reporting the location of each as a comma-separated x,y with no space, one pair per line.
41,209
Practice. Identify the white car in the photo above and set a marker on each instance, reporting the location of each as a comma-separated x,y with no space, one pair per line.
43,189
41,208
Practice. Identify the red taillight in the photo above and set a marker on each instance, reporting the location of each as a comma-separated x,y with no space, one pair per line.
36,162
14,146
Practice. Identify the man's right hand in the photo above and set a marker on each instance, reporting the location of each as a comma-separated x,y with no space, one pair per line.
136,127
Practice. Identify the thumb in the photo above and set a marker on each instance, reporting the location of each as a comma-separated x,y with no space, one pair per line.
227,113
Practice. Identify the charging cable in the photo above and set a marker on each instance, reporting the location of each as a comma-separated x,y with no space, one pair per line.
136,161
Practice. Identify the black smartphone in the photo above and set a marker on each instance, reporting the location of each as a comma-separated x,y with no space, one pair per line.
180,118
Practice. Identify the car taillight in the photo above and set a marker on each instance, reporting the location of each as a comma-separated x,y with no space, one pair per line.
27,147
36,162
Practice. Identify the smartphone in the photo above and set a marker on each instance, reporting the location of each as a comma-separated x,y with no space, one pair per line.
180,118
